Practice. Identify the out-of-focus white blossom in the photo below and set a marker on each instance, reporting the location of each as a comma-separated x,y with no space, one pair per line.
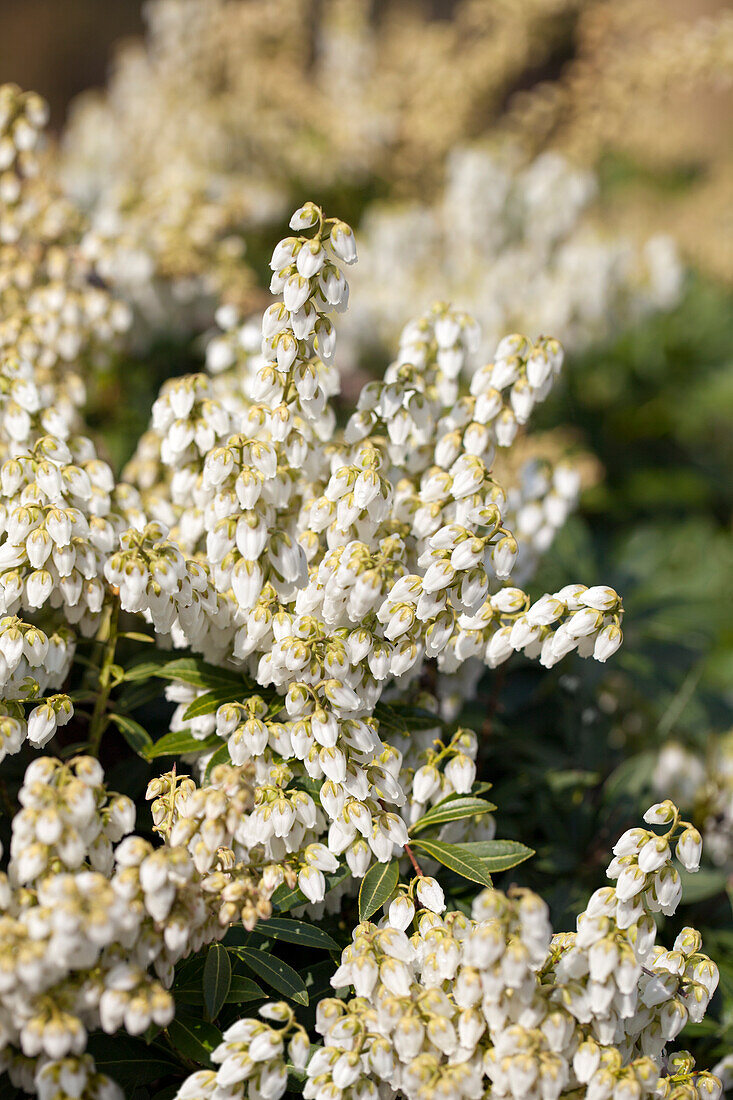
515,244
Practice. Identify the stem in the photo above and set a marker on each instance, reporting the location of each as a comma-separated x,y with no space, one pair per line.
100,720
413,861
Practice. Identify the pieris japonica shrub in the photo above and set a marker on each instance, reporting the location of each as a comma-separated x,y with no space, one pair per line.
316,596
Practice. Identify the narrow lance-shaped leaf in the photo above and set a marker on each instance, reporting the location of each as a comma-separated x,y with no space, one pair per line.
180,741
275,972
377,886
295,931
451,809
457,858
193,1038
217,979
210,701
137,738
243,989
499,855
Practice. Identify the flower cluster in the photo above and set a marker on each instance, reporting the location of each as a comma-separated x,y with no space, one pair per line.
253,1059
53,314
516,244
327,565
89,910
494,1004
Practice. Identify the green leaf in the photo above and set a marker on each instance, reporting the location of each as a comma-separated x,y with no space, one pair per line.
377,886
406,719
221,756
137,738
701,885
189,972
499,855
212,700
135,695
286,898
150,666
189,670
274,972
454,808
130,1061
242,989
632,777
193,1038
180,741
199,674
217,979
457,858
296,931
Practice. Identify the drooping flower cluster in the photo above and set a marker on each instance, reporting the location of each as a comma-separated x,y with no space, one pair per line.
495,1005
52,315
253,1059
516,244
89,910
327,565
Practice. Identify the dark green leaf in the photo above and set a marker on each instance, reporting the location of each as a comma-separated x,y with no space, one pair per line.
135,695
199,674
377,887
237,936
189,670
210,702
217,979
452,809
180,741
406,718
130,1061
457,858
243,989
137,738
274,972
193,1038
295,931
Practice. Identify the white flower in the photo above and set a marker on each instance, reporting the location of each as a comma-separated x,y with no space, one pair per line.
430,894
401,913
689,849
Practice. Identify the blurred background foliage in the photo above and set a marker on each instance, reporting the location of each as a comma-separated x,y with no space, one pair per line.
640,91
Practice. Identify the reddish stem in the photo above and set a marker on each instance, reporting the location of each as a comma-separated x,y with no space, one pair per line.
413,861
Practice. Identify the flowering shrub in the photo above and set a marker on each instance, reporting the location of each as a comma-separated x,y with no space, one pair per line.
333,592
